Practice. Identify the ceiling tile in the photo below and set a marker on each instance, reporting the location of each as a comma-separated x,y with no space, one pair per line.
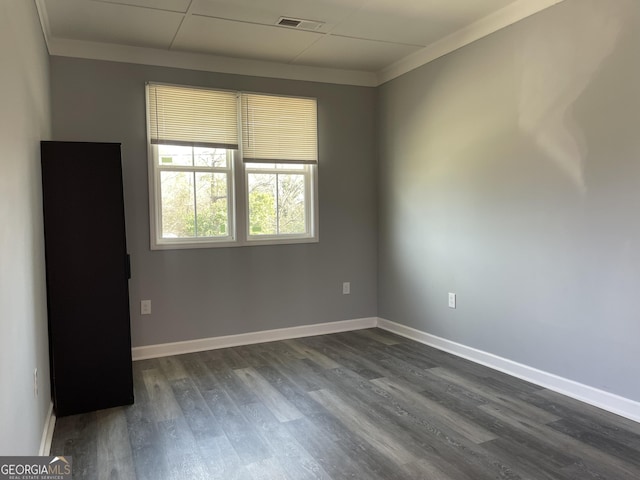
243,40
112,23
268,12
171,5
416,22
366,35
353,54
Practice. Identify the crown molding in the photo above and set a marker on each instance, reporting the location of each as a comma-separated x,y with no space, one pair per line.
44,22
207,63
498,20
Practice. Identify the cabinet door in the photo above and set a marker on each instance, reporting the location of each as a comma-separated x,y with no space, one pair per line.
87,276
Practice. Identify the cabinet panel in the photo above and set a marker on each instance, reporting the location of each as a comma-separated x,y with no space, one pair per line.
87,276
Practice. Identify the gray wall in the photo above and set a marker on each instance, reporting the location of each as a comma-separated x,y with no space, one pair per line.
510,174
210,292
24,121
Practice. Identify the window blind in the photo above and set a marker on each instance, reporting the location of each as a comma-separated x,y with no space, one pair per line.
183,116
279,129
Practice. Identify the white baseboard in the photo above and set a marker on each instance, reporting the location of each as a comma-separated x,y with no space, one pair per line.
47,432
203,344
599,398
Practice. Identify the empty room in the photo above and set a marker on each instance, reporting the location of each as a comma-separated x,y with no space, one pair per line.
320,239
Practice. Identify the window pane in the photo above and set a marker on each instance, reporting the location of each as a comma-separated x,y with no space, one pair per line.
262,204
276,166
194,187
212,205
178,211
210,157
290,166
291,211
174,155
261,166
277,204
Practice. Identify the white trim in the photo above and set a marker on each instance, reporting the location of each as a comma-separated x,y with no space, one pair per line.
203,344
593,396
504,17
47,432
599,398
207,63
44,23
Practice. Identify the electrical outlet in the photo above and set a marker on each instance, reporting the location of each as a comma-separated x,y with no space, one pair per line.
145,307
346,288
452,300
35,383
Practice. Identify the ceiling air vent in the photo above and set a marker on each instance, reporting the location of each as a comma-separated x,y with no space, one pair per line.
299,23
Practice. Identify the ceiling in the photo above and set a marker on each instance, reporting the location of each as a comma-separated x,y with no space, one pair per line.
358,39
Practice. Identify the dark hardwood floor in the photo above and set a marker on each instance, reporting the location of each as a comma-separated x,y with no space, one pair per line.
358,405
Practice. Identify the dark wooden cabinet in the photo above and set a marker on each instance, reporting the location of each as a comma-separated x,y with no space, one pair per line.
87,276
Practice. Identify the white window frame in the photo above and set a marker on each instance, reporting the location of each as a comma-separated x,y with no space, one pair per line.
238,200
157,240
309,174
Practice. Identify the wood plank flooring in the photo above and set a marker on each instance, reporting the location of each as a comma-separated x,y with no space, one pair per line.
356,405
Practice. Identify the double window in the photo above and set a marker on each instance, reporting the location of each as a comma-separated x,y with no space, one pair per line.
230,168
